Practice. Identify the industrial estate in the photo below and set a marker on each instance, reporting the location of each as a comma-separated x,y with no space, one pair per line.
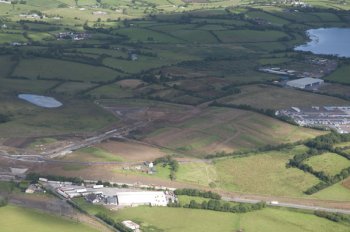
174,115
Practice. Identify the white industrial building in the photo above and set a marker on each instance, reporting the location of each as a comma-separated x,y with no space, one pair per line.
305,83
98,194
154,198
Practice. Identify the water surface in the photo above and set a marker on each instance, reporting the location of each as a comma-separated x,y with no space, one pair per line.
42,101
328,41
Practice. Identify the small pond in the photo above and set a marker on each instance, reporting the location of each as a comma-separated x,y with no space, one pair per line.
42,101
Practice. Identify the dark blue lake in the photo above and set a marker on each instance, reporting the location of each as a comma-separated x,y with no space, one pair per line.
328,41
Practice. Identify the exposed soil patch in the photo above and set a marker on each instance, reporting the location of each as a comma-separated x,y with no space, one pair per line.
346,183
132,151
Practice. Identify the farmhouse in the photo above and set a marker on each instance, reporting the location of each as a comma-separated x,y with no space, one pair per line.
305,83
153,198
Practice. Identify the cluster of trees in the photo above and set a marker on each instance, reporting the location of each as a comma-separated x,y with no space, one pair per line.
217,205
345,173
198,193
173,164
108,184
231,89
297,160
336,217
117,225
3,201
14,2
4,118
34,177
326,142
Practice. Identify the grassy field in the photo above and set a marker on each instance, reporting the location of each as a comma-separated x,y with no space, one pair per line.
63,70
335,192
265,173
130,150
189,220
340,75
16,219
330,163
246,36
222,129
93,154
270,98
197,173
75,116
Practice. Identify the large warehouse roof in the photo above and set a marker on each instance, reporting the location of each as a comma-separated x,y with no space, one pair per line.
303,82
142,198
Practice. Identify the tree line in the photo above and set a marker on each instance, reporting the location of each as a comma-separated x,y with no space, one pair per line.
197,193
34,177
217,205
317,146
269,147
335,217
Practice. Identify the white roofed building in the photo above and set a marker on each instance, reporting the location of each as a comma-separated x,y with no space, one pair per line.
304,83
154,198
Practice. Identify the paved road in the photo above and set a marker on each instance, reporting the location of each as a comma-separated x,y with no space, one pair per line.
288,205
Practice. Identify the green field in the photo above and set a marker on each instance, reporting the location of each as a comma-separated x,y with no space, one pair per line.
188,220
270,98
197,173
17,219
63,70
94,154
191,220
246,36
224,129
75,116
335,192
340,75
265,173
330,163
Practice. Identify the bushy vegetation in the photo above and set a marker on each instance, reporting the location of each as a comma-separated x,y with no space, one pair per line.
318,146
34,177
217,205
198,193
3,201
4,118
173,164
326,142
336,217
266,148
